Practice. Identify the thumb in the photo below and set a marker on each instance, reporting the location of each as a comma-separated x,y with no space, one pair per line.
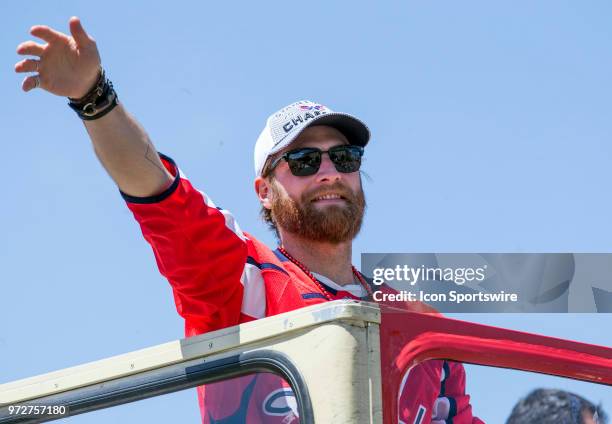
78,33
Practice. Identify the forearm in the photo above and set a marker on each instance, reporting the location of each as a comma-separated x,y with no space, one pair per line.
128,155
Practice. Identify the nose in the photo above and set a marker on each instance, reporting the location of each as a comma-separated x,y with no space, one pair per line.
327,171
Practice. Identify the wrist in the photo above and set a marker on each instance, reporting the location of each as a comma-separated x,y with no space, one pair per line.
98,101
91,85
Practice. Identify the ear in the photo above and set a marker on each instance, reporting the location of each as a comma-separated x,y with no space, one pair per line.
262,188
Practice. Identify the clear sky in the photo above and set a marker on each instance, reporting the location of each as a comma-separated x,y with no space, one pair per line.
491,126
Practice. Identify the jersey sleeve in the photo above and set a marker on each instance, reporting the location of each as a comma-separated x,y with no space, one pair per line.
198,247
452,393
434,392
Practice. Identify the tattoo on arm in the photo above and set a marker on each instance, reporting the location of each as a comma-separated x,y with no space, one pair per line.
151,155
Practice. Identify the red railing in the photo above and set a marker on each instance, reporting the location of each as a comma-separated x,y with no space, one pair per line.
409,338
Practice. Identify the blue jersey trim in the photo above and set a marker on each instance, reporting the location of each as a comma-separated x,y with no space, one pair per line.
158,197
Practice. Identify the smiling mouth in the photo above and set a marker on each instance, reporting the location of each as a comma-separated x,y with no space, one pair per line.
328,197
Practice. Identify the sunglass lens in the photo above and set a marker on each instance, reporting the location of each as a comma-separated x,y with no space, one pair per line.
304,162
346,158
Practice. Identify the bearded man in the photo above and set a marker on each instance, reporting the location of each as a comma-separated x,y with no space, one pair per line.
307,162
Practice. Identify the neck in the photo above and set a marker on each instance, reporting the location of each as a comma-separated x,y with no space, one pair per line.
330,260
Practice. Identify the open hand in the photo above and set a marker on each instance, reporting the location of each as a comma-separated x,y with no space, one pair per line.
66,65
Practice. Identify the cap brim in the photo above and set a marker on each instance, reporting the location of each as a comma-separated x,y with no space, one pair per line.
354,130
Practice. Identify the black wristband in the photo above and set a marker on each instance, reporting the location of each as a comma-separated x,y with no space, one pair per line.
100,100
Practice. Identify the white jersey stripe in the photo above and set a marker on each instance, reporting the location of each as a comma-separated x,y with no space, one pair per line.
230,222
254,295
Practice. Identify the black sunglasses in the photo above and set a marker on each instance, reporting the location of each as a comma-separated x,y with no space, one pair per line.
307,161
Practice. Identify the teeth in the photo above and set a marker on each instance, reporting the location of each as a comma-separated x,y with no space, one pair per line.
328,197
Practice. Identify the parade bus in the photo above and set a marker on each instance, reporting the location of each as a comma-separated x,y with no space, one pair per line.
345,362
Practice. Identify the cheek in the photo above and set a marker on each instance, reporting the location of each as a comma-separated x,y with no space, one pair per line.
288,186
354,182
293,193
278,193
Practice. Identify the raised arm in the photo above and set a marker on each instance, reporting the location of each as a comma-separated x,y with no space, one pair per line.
69,66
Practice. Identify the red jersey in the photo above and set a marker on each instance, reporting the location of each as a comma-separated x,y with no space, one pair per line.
222,276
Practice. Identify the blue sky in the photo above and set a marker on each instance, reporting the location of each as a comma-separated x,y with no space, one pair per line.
491,133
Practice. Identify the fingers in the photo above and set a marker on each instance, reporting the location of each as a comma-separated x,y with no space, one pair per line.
30,83
78,32
31,48
27,65
46,33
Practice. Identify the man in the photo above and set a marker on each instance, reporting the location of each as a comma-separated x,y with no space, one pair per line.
550,406
307,160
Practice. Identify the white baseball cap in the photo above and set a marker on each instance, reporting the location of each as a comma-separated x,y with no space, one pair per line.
284,126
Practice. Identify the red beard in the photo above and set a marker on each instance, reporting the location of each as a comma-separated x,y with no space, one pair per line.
333,223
